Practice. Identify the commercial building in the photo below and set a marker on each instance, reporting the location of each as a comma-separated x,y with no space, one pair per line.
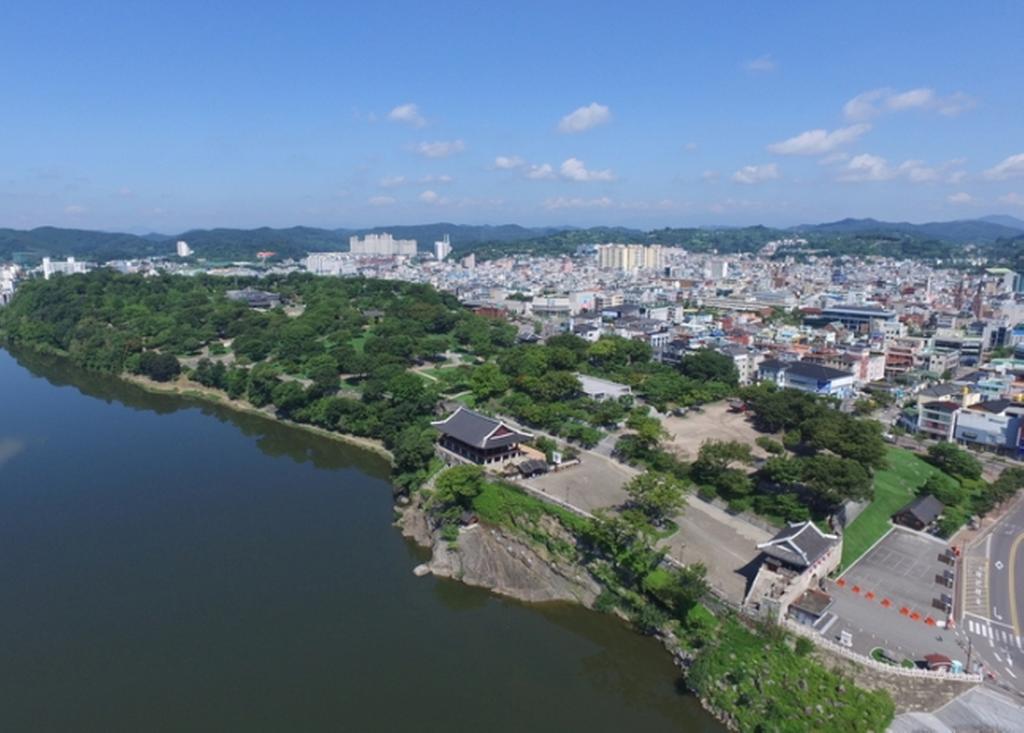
853,317
993,425
382,245
603,389
183,249
807,377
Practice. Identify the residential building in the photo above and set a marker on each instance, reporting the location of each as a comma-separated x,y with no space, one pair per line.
382,245
442,249
69,267
937,419
183,249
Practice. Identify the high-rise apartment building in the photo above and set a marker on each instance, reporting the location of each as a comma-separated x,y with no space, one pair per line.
183,249
442,249
382,245
629,257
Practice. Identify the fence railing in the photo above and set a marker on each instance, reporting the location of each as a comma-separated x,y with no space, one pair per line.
874,664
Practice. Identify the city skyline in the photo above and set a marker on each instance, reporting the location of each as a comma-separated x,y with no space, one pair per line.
198,117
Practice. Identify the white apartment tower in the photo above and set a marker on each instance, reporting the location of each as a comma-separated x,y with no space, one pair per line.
629,257
442,249
183,249
382,245
717,269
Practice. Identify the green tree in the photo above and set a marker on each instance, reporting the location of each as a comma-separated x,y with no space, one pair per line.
954,461
659,496
835,480
487,381
458,486
708,365
159,367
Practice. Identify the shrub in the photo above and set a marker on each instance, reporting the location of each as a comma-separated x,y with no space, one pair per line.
804,646
770,445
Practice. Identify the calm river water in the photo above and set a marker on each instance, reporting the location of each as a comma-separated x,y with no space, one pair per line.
168,565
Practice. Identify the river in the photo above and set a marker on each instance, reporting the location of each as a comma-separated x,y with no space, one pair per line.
171,565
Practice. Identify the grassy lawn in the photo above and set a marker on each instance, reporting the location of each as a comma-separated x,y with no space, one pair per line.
894,487
468,399
357,342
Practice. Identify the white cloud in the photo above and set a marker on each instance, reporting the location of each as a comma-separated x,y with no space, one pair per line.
584,118
430,197
762,64
574,169
710,175
442,178
440,148
876,101
508,162
1012,199
381,201
756,173
408,114
562,202
1011,167
690,147
911,99
125,192
542,172
867,167
75,210
819,142
391,181
959,198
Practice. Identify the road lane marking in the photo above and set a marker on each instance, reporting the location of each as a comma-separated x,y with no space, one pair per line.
1013,582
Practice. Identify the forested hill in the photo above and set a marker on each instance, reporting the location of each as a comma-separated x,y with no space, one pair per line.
237,244
850,236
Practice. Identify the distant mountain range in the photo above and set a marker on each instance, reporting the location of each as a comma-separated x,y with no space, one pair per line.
241,244
962,231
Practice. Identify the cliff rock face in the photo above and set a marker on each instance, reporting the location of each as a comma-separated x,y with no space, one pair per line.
502,561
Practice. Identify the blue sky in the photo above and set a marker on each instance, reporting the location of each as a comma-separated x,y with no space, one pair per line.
118,115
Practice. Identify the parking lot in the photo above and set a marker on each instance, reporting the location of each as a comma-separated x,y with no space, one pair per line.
887,599
596,483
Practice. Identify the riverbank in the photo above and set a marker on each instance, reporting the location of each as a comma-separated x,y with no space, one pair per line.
184,387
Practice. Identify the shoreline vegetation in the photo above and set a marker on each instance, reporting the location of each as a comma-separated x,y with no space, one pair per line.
188,388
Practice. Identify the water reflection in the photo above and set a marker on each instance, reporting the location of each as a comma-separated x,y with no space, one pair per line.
9,448
273,438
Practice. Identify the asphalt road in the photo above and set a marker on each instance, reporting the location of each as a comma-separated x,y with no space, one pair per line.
993,621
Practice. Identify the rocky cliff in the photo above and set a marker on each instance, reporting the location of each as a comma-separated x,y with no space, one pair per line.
502,560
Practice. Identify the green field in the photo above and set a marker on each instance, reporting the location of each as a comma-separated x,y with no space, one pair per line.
894,487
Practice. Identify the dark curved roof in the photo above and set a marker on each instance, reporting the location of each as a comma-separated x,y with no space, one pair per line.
479,430
800,544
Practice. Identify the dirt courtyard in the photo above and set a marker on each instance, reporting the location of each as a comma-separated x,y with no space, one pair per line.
716,422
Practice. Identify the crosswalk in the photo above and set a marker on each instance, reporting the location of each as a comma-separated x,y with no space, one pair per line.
975,580
994,634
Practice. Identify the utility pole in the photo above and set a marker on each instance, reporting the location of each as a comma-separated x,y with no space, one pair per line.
970,648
